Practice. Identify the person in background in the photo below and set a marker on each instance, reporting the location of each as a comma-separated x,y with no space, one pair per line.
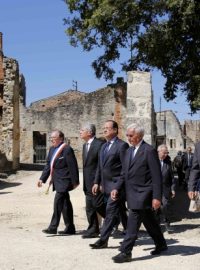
90,157
187,164
169,185
63,168
143,184
178,165
194,179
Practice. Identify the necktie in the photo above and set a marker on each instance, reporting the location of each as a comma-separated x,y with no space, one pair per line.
161,164
106,150
132,153
188,160
86,150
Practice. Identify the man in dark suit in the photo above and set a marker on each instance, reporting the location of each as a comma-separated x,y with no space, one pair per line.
169,184
143,182
193,183
63,168
187,165
90,156
107,175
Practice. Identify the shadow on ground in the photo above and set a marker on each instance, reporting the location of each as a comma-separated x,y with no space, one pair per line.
180,206
4,184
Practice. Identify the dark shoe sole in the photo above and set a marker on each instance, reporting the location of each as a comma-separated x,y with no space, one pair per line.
94,246
49,231
95,235
158,251
66,233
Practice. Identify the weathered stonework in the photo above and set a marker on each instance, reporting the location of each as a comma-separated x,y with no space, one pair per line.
140,103
10,112
95,107
169,132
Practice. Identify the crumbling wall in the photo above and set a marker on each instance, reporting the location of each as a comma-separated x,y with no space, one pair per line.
140,107
95,107
169,127
192,129
10,112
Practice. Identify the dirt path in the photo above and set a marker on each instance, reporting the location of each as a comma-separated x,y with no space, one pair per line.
25,210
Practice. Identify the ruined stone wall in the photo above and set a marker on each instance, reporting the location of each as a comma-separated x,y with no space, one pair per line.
95,107
169,127
140,103
192,129
64,98
10,112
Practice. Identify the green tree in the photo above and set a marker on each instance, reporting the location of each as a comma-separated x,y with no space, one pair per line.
158,33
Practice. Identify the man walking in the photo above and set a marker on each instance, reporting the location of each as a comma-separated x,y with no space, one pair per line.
90,156
169,185
187,165
107,176
63,168
194,180
143,182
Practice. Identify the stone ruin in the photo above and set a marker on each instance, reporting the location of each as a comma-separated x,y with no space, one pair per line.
25,131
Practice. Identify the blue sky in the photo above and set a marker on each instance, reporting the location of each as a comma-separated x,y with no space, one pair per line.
33,34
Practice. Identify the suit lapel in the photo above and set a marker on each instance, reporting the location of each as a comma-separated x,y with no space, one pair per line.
110,151
137,155
92,145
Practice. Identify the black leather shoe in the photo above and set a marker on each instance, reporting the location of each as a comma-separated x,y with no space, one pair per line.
90,235
67,232
122,257
50,231
158,250
99,244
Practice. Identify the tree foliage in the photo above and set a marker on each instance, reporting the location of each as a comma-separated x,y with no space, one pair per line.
158,33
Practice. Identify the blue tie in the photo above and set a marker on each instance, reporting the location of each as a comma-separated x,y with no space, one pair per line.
132,152
105,151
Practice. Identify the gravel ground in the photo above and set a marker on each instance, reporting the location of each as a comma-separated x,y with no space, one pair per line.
25,210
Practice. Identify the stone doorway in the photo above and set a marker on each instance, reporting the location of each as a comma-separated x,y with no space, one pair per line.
39,147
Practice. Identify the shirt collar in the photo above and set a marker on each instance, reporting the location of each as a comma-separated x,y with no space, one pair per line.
138,145
90,140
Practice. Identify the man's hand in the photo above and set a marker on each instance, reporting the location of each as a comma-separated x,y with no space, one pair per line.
75,186
95,189
156,204
114,194
173,194
191,195
39,183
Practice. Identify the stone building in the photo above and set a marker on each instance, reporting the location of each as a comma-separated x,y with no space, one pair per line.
124,103
169,132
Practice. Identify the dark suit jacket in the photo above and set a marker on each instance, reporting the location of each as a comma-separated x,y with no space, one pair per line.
169,183
185,161
195,170
142,177
109,170
90,164
65,170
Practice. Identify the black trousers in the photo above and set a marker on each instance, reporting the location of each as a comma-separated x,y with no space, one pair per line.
62,205
111,218
91,213
135,218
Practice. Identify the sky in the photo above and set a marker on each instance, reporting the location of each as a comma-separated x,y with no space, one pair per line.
34,35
